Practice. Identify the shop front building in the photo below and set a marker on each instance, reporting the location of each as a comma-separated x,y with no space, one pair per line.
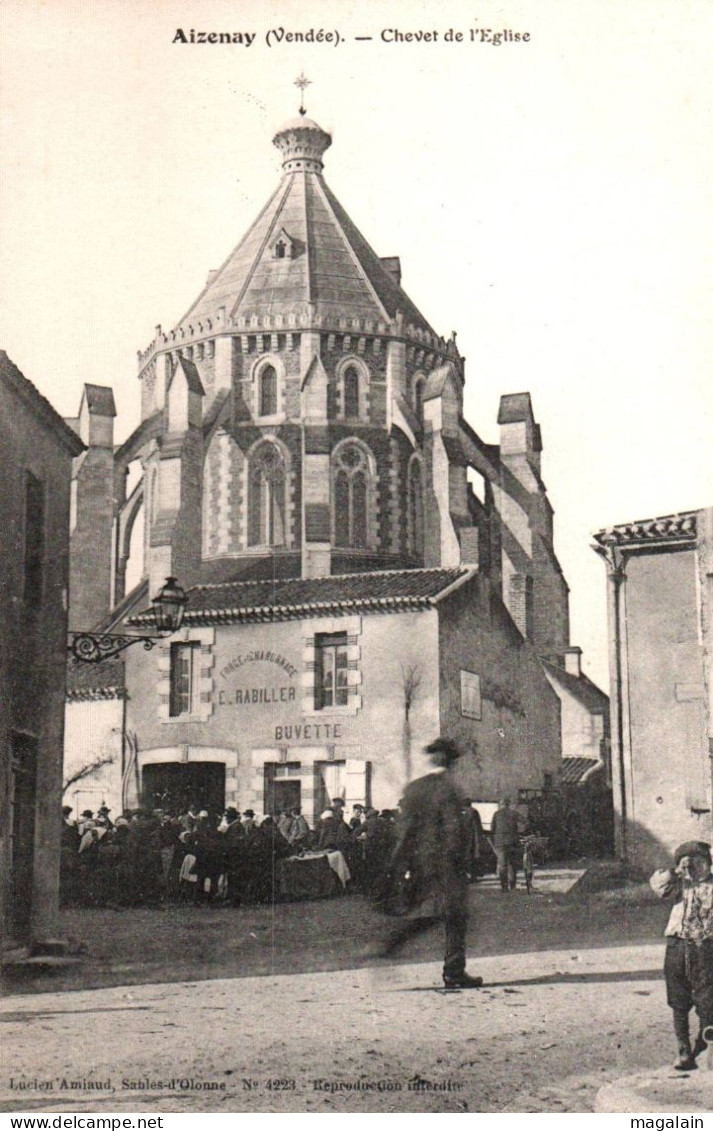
364,572
264,702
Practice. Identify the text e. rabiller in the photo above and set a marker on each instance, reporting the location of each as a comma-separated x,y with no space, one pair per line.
246,38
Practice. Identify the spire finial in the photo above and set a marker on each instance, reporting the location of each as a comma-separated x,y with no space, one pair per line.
302,83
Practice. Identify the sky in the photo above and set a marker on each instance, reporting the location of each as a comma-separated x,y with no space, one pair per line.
549,198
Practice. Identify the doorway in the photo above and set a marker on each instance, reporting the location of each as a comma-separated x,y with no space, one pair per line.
174,786
287,795
283,788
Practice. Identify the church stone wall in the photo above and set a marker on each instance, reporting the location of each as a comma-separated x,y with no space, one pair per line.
550,607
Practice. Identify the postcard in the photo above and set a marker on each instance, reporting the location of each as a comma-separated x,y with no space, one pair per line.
357,542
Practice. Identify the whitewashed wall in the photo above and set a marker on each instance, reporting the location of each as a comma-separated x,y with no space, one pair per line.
92,732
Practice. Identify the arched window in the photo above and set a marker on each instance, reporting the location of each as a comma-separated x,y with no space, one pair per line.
351,392
280,249
415,508
351,481
352,384
266,496
268,391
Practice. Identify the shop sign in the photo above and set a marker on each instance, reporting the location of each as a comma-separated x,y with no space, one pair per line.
304,731
248,692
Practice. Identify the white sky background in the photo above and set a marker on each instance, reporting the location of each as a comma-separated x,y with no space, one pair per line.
550,201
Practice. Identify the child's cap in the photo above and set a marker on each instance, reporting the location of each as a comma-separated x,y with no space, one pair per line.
692,848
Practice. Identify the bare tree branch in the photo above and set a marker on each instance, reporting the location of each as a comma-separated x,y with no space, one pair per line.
86,770
411,676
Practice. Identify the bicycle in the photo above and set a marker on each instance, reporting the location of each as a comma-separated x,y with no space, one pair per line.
530,846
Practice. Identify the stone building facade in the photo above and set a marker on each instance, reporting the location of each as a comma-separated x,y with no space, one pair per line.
36,452
303,440
660,586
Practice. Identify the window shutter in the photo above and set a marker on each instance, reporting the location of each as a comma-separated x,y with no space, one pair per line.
356,782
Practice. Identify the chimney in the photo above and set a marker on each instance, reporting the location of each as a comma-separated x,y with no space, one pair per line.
392,266
573,662
91,535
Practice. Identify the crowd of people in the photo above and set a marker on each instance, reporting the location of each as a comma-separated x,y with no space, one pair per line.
417,858
146,857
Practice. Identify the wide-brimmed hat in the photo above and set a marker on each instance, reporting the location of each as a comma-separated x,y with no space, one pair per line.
693,848
443,751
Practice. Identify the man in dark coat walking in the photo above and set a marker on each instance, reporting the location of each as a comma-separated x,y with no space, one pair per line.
432,847
505,831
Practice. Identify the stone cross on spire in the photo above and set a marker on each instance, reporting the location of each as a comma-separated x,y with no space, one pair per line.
302,83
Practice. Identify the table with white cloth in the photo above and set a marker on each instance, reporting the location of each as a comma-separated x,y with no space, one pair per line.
314,875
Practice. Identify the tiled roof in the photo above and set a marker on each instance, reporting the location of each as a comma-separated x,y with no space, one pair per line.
332,267
292,598
591,696
39,405
670,528
95,681
575,770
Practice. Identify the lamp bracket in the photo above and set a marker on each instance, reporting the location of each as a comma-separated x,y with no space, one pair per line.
87,648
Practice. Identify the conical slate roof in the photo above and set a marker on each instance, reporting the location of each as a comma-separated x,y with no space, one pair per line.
325,261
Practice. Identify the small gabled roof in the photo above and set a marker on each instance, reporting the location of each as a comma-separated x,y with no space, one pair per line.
515,408
314,369
297,597
282,234
437,380
100,400
582,687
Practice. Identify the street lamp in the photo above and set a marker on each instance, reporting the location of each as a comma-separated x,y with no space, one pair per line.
168,607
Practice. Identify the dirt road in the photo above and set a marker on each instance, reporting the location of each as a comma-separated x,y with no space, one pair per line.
543,1035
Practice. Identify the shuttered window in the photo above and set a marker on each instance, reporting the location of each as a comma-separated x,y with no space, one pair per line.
331,686
183,678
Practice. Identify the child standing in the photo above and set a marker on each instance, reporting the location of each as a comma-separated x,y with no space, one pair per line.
688,966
